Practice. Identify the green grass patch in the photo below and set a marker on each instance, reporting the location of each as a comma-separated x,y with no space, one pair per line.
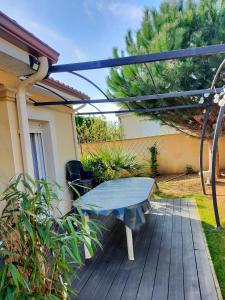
215,237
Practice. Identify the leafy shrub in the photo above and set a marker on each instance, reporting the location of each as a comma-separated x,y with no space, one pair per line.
154,160
40,251
111,163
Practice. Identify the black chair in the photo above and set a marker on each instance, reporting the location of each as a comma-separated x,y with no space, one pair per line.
82,180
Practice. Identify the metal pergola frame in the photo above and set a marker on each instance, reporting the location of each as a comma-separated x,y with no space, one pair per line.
147,58
134,99
214,151
205,123
139,59
147,110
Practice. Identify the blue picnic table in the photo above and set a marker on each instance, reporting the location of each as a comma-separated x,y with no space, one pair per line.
127,199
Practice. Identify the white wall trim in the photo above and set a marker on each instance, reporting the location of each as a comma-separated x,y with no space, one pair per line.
49,127
14,51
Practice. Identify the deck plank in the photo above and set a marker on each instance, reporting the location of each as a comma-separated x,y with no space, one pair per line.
118,284
176,280
91,265
196,227
149,273
185,216
102,290
177,215
147,283
187,237
148,278
171,261
87,291
160,289
207,284
191,283
135,274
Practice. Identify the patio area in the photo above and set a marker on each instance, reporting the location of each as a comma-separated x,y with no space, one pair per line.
171,260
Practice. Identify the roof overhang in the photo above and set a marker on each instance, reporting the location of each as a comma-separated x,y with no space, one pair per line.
13,59
15,34
66,89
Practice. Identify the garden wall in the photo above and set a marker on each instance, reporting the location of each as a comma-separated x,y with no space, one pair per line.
176,151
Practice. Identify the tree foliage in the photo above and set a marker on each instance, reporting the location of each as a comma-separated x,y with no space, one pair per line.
91,130
154,160
176,25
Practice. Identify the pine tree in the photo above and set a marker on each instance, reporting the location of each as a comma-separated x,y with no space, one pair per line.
176,25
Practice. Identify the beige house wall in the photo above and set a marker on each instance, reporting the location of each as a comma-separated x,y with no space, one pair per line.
57,120
9,80
7,149
176,151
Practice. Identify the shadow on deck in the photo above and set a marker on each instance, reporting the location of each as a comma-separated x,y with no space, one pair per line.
171,260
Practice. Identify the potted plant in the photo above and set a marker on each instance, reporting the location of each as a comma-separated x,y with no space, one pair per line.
41,252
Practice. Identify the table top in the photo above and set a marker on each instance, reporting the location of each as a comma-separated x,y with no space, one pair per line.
116,194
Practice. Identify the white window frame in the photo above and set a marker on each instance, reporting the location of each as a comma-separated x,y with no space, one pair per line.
46,120
36,128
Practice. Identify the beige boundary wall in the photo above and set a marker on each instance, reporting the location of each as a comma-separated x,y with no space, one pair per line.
176,151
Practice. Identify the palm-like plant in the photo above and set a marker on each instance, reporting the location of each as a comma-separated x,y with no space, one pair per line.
40,251
109,163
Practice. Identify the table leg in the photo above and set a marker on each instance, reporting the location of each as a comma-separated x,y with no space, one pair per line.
86,251
130,247
147,212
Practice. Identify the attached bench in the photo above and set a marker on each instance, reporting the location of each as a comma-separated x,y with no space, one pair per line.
127,199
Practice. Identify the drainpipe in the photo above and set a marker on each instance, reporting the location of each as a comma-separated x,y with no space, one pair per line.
77,146
23,114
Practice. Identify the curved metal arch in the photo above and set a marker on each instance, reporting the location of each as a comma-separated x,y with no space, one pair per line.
89,81
217,74
215,146
53,92
206,118
50,90
98,88
92,83
82,106
60,96
214,151
99,110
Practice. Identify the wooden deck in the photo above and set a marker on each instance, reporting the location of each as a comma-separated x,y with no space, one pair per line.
171,260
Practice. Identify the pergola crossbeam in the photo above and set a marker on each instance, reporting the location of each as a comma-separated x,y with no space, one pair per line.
137,59
134,99
147,110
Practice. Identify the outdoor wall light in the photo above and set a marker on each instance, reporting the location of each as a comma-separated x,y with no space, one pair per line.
34,63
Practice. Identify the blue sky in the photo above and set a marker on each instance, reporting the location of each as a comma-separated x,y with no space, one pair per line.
80,30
